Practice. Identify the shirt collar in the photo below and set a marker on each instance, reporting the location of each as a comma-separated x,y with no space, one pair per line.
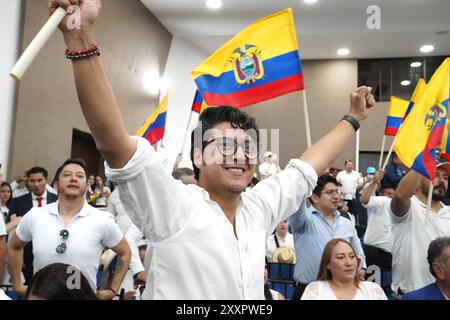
312,209
53,209
43,196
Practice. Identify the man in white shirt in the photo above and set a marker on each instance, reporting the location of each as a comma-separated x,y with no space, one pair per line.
207,240
281,238
378,239
413,229
269,166
349,179
38,196
69,231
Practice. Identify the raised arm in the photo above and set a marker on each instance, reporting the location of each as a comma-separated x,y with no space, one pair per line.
406,188
326,150
97,99
365,197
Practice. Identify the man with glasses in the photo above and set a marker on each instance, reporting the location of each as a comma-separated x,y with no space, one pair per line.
207,240
313,227
69,231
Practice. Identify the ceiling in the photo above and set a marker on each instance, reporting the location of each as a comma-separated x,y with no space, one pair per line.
322,27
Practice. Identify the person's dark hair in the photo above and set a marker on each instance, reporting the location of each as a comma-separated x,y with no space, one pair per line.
77,161
180,173
322,181
35,170
51,283
6,184
347,161
267,293
213,116
386,185
435,251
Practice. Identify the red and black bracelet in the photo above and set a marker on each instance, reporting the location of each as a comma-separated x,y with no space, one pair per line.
77,55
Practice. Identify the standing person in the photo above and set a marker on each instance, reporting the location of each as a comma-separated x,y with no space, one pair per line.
69,231
413,228
337,278
394,172
3,235
37,197
349,179
281,238
378,238
102,191
208,240
314,227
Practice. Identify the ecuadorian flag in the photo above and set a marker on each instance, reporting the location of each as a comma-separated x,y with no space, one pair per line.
445,144
153,128
396,111
423,129
199,105
418,91
260,63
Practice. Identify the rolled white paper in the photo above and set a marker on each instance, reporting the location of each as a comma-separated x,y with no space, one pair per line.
36,45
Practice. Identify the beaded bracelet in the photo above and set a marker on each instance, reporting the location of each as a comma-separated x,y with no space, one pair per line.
77,55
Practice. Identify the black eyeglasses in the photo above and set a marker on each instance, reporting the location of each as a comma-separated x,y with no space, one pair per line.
229,147
332,193
62,247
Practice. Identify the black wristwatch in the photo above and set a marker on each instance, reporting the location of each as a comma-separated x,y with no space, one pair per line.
352,120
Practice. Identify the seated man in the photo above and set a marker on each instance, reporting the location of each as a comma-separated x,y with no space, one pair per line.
439,262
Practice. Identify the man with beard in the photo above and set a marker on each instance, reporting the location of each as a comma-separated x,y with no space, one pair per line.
413,228
69,231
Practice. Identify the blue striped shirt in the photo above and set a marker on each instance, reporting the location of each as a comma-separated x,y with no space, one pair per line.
311,233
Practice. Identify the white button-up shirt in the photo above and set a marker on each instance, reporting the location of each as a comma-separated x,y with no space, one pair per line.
194,252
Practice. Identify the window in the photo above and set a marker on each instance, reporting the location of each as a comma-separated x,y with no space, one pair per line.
385,75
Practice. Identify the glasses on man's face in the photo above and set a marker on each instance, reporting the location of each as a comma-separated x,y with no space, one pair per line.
62,247
332,193
229,146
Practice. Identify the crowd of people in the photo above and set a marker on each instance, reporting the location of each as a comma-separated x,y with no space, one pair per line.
212,233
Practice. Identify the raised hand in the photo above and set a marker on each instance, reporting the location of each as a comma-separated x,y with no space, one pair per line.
361,99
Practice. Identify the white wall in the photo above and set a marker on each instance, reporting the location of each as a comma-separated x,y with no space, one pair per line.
10,15
183,57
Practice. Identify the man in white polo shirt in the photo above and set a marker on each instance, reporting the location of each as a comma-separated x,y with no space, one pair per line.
69,231
413,229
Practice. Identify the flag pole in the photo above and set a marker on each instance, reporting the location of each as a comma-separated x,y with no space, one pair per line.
430,198
186,133
382,151
357,151
389,154
308,129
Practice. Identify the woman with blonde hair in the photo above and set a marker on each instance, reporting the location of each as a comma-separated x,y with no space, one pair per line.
337,278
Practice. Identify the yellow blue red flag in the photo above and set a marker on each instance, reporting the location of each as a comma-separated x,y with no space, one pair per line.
199,105
445,144
260,63
154,127
418,91
395,115
422,130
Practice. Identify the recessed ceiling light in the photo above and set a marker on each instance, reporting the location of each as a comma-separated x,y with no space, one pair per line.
416,64
309,1
405,83
426,48
214,4
343,52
